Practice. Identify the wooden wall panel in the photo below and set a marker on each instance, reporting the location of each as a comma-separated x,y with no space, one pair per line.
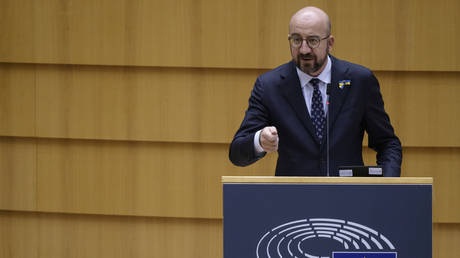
31,235
183,180
18,179
385,35
397,35
193,105
17,99
17,40
160,179
163,80
19,235
446,237
184,105
422,107
164,179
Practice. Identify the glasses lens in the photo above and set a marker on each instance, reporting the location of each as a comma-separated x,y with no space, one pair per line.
296,41
313,41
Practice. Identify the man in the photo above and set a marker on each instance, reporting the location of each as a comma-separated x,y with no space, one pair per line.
288,106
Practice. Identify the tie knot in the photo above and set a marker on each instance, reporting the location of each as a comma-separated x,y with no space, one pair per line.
314,82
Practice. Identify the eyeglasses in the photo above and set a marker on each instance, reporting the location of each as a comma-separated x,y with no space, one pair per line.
312,41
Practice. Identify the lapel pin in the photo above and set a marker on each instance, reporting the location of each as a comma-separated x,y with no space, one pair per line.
344,83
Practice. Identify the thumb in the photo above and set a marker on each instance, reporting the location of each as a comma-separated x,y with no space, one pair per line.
272,130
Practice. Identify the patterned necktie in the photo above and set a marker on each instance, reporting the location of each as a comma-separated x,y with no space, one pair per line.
317,110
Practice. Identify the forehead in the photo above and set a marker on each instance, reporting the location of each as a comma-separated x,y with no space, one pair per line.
308,24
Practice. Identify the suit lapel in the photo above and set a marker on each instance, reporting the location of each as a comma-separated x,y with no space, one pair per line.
338,95
293,92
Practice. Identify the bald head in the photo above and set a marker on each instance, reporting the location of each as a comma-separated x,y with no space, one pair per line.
311,17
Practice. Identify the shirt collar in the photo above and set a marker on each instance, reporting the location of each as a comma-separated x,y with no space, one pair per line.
324,76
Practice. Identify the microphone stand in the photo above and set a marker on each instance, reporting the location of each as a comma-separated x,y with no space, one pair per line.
328,91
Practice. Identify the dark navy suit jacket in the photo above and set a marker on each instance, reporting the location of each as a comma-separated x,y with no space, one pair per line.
277,100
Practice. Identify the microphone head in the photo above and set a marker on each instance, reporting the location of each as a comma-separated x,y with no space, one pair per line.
328,89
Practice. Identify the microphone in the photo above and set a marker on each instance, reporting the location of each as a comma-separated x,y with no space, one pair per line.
328,92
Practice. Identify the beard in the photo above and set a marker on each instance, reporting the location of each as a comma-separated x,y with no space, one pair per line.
310,63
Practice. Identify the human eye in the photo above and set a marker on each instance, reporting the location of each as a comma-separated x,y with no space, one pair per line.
297,40
313,41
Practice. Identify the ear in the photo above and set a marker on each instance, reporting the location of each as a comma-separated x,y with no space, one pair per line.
330,42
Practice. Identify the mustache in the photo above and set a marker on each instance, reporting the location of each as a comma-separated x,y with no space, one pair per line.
306,55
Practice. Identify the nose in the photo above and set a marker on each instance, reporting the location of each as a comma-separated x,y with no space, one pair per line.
304,48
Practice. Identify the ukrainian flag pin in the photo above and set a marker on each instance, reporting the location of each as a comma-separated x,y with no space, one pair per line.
344,83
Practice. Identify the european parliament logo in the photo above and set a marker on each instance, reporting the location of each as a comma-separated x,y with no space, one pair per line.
324,238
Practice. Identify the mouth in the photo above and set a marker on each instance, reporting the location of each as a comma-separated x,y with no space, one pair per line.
306,58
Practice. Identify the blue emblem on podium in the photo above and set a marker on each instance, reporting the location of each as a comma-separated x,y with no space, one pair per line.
363,255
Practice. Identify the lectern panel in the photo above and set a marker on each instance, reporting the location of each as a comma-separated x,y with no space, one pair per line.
327,220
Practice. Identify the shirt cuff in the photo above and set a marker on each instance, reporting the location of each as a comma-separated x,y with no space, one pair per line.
257,147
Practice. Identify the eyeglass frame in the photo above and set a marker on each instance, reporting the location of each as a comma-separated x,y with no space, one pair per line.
306,40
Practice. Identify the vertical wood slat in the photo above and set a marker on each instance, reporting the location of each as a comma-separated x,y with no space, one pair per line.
17,99
18,178
446,237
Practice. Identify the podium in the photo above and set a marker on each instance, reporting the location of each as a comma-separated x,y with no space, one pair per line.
318,217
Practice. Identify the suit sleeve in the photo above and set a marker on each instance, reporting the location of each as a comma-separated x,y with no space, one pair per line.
380,131
242,151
